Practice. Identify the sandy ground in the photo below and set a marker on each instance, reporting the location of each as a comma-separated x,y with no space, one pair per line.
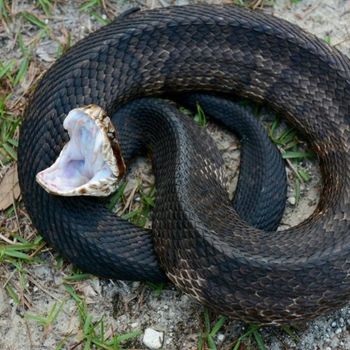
134,306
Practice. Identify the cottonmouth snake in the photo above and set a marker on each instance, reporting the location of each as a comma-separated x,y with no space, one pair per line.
240,271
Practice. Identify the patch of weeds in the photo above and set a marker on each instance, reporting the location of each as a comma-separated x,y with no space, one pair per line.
251,335
286,139
8,130
17,289
94,332
17,254
22,251
12,74
141,214
199,116
156,287
206,339
118,196
46,321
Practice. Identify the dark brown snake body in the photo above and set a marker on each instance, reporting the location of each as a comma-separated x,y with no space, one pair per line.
238,270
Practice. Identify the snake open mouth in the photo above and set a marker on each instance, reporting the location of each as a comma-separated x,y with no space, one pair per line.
90,163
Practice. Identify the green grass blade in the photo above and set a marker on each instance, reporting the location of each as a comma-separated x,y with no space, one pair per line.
206,321
220,322
297,155
211,343
77,277
127,336
87,324
115,198
5,69
22,71
11,292
18,255
304,175
90,4
34,20
9,151
259,340
45,6
200,117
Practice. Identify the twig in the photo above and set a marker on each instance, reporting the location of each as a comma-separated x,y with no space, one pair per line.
41,287
6,239
128,201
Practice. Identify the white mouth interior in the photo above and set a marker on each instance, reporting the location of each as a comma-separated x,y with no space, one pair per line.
86,164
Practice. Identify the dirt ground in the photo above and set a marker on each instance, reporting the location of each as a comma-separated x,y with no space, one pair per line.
46,304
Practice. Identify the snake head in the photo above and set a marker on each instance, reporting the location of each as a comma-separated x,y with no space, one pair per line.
90,164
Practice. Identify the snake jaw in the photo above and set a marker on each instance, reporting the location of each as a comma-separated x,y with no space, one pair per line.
91,163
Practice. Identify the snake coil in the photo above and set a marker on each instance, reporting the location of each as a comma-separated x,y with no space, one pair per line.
239,270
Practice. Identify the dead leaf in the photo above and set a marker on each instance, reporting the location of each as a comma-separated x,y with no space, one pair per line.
9,188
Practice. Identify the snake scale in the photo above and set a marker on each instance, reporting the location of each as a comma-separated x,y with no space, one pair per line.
241,271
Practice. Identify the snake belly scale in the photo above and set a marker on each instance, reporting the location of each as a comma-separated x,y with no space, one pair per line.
240,271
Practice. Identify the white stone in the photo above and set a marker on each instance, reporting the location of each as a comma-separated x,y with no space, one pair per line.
292,200
221,337
153,339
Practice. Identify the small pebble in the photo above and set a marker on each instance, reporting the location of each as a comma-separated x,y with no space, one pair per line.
338,331
153,339
292,200
221,337
334,324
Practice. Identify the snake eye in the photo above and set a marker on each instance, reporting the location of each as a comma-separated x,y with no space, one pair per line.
90,163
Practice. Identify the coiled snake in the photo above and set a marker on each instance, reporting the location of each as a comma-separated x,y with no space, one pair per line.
240,271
